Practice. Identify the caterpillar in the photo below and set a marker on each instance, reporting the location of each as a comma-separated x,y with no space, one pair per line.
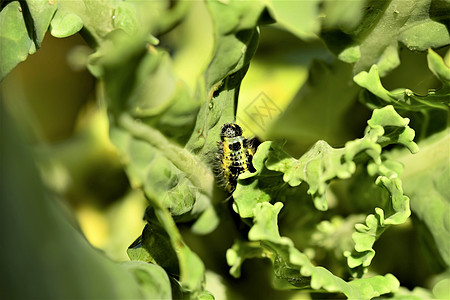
235,155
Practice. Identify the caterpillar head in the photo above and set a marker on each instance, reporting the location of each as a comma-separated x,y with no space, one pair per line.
230,130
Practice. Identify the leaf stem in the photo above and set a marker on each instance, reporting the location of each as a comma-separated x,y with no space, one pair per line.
198,173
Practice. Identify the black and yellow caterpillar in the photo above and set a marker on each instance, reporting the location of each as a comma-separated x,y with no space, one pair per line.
235,155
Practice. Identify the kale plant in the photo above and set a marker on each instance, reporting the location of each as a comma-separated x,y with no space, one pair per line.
350,195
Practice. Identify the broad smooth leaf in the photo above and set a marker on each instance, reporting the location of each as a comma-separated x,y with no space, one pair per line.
425,179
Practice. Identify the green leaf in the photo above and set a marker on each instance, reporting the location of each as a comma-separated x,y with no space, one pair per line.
438,67
192,269
405,98
440,289
257,187
205,295
335,235
169,76
375,224
161,243
24,25
169,175
167,187
95,17
41,12
235,38
22,29
154,246
125,18
319,165
425,179
235,41
206,222
417,293
31,218
292,267
65,24
266,223
392,128
299,17
322,163
152,279
426,28
14,39
240,251
344,15
417,24
147,118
